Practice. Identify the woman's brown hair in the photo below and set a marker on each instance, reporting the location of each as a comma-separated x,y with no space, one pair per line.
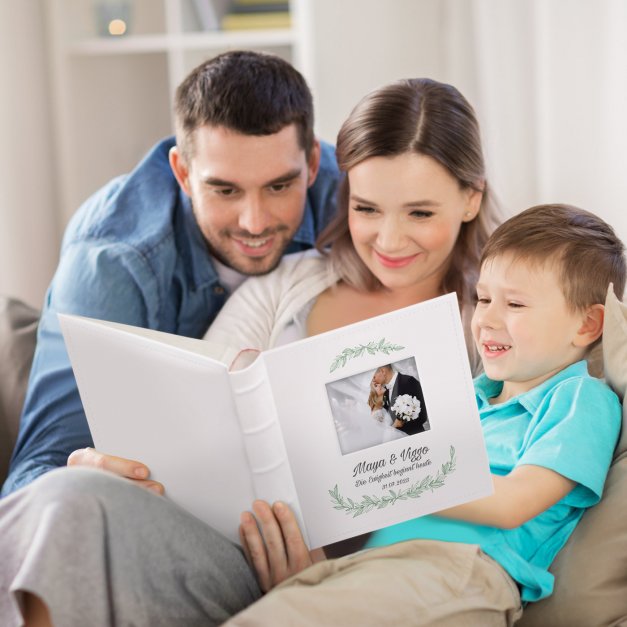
425,117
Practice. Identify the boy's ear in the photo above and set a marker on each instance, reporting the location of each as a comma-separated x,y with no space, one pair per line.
592,326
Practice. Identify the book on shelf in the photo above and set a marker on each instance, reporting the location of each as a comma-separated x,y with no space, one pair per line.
256,20
266,7
295,424
256,3
209,13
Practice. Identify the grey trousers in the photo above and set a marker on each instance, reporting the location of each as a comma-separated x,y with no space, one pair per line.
101,551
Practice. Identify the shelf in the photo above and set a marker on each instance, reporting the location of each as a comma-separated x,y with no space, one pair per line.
113,95
184,41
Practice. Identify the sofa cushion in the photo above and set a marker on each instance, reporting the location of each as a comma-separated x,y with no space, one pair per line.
615,356
18,329
591,570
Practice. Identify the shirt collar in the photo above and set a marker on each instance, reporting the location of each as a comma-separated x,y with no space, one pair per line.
390,385
486,388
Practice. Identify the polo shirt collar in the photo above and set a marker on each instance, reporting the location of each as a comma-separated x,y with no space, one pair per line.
486,388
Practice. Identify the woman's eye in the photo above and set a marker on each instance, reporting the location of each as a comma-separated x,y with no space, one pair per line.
364,209
516,305
421,213
483,300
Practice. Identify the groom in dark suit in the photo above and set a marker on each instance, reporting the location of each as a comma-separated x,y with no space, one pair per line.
397,384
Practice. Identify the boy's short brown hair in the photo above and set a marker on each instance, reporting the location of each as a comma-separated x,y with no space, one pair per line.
585,250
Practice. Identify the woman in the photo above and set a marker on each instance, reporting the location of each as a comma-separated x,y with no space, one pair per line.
414,212
375,402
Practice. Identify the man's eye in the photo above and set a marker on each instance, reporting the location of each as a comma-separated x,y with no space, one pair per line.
279,187
225,191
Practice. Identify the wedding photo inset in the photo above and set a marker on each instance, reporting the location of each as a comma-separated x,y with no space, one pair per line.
377,406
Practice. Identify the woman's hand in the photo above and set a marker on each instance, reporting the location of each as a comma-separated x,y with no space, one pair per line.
136,471
273,544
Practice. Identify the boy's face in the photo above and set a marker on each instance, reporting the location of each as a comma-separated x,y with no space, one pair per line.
522,325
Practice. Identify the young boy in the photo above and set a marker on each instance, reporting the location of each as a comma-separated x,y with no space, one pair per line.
550,430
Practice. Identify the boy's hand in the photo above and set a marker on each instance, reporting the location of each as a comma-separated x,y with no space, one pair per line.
127,468
273,543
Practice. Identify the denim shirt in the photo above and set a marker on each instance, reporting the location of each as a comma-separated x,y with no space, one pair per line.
133,253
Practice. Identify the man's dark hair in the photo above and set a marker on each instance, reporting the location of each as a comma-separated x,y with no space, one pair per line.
248,92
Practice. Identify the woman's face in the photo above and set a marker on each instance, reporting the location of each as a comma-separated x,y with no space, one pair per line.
404,216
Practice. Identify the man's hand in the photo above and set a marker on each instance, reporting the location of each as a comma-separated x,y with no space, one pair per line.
136,471
398,423
273,544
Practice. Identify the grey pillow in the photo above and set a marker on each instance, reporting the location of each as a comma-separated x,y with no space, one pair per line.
18,330
591,570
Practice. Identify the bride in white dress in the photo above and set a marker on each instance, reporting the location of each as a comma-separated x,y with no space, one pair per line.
358,425
375,402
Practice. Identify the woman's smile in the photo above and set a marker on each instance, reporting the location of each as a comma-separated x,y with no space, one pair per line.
395,262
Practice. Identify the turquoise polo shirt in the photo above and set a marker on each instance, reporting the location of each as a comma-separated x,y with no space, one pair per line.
569,424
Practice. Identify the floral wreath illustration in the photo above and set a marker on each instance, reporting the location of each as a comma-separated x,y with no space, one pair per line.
414,491
372,348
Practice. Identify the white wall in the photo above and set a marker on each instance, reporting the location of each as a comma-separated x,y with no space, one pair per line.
548,81
361,44
29,231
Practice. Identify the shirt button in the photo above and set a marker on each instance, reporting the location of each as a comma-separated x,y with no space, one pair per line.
218,289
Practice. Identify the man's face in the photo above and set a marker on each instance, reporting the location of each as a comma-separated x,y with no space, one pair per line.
382,375
248,193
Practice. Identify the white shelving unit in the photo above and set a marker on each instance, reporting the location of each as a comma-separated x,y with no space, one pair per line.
113,95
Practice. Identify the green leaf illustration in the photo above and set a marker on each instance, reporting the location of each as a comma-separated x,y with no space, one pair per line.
370,502
372,348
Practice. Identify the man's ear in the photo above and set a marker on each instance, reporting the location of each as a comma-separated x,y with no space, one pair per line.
313,163
179,168
592,326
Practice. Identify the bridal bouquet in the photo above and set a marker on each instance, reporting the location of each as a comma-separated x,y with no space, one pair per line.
406,407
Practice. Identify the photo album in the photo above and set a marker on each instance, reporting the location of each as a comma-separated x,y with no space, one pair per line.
356,429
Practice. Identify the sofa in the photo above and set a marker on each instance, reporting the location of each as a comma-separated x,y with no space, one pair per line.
590,571
18,328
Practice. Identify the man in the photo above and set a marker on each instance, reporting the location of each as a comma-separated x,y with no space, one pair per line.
397,384
162,247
